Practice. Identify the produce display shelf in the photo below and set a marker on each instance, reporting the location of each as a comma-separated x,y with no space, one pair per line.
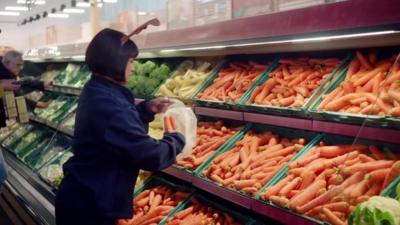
230,195
27,199
179,173
56,127
374,133
221,113
31,177
64,90
291,122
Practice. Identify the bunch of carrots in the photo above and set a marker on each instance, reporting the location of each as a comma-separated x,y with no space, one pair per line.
153,204
210,136
368,88
329,181
169,124
253,161
197,213
233,82
293,82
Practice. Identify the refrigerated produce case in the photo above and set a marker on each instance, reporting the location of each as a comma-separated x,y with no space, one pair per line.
296,121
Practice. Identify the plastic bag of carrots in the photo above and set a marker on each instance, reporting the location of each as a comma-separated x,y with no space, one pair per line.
371,87
153,204
233,82
293,82
198,213
330,180
253,161
210,137
182,119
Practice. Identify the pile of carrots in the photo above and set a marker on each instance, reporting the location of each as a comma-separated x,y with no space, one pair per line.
367,89
293,82
153,204
233,82
197,213
210,136
253,161
329,181
169,124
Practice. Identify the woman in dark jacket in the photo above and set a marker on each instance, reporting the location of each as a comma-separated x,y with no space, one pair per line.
110,140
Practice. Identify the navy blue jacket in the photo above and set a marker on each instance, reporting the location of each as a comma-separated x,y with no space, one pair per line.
110,146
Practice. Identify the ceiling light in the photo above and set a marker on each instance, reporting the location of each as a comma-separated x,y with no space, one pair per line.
83,4
16,8
37,2
58,15
141,13
72,10
6,13
110,1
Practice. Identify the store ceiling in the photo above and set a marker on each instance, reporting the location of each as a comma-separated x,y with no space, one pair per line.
35,9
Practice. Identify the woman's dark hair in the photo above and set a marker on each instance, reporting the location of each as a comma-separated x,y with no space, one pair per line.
108,56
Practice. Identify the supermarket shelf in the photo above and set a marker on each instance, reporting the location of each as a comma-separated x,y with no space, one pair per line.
221,113
64,90
224,193
279,214
52,125
373,133
32,178
179,173
278,121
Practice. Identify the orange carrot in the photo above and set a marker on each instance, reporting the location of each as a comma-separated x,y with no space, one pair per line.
393,174
307,179
173,123
282,201
369,166
167,124
359,189
364,62
307,194
332,218
320,200
274,190
290,186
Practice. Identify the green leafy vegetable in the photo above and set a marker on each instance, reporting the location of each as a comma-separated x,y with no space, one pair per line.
376,211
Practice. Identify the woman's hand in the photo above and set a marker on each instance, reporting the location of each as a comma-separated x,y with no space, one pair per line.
158,105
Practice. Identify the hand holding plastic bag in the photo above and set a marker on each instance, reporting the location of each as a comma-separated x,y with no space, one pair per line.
183,120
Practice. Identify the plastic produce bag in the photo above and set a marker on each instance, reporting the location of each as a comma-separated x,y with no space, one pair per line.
186,124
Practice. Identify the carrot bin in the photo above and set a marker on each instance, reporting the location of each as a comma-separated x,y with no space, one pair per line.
200,207
226,88
294,83
366,91
155,200
253,160
336,174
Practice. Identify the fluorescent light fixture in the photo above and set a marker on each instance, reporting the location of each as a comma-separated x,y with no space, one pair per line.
73,10
83,4
344,36
6,13
58,15
286,41
16,8
99,4
141,13
37,2
110,1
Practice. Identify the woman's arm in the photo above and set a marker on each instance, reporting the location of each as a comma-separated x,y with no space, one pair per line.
128,138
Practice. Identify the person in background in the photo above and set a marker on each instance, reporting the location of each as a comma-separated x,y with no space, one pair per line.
11,66
111,143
